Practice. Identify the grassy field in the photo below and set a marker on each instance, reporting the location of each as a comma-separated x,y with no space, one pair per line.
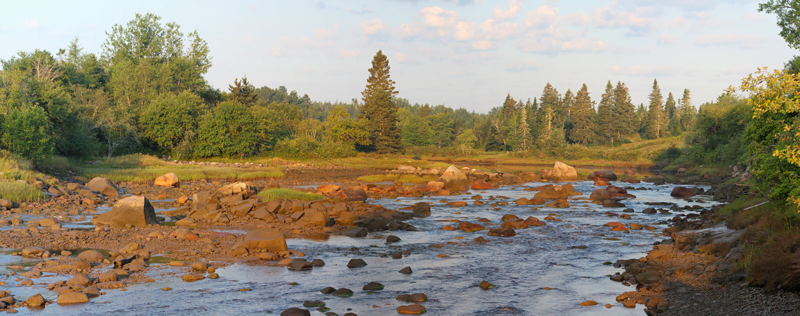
20,192
279,194
144,168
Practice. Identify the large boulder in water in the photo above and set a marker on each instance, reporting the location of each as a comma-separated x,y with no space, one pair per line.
681,192
356,194
263,238
606,175
454,179
103,185
168,180
134,210
563,172
314,218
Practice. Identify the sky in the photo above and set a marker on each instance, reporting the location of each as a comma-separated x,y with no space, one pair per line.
461,53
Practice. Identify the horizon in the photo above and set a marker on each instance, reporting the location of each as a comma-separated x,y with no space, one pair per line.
437,48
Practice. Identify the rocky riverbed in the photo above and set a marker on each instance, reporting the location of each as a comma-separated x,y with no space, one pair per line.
495,245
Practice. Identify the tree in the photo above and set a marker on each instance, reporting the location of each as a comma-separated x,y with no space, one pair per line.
670,106
686,110
229,130
170,120
341,128
623,112
550,102
583,119
466,141
656,118
788,12
525,140
25,132
605,115
379,112
243,92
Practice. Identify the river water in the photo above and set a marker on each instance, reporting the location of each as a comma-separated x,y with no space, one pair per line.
537,272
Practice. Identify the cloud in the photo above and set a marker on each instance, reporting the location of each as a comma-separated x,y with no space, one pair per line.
326,33
437,17
542,17
707,19
363,10
459,72
348,53
29,24
666,40
555,45
514,8
638,22
373,27
732,39
520,66
464,31
653,72
753,16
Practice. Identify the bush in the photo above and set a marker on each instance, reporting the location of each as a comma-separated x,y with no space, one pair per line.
26,133
310,148
170,120
230,129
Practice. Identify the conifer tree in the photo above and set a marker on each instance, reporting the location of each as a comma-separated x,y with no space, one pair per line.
550,102
670,106
242,92
656,118
623,111
524,131
582,118
379,112
566,106
605,115
687,110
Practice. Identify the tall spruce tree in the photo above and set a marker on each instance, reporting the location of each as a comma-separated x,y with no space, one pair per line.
656,118
566,106
623,111
605,115
524,140
582,118
670,106
379,112
548,107
687,110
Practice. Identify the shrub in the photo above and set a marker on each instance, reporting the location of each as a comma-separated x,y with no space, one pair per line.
309,148
171,119
26,133
230,129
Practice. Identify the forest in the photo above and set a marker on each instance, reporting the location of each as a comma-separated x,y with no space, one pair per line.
146,93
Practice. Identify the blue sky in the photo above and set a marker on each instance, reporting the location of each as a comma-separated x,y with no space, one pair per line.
461,53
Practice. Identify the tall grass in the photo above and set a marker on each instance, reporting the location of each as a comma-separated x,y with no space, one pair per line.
279,194
144,168
20,192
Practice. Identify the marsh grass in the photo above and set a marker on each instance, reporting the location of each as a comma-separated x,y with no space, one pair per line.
279,194
144,168
20,192
403,178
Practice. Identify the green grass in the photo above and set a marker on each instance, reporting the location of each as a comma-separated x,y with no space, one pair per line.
144,168
279,194
20,192
404,178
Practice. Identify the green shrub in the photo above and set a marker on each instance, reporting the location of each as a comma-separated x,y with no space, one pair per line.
279,194
26,133
229,130
308,148
170,120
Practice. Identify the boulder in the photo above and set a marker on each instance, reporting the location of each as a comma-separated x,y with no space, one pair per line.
134,210
6,203
434,186
104,186
681,192
168,180
263,238
355,232
563,172
328,188
91,256
454,179
242,188
606,175
67,298
35,300
422,209
406,169
480,185
357,194
314,218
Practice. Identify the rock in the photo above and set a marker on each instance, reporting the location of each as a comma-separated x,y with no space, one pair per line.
392,238
485,285
457,204
406,169
681,192
299,265
612,203
563,172
588,303
635,226
434,186
264,238
191,277
313,304
6,203
454,179
411,309
67,298
242,188
294,311
328,188
606,175
373,286
355,232
357,194
91,291
422,209
91,256
480,185
502,232
356,263
406,270
108,276
314,218
318,263
134,211
35,300
32,252
648,276
167,180
343,292
104,186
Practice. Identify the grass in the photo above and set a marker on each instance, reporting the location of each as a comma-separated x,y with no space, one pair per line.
20,192
279,194
144,168
403,178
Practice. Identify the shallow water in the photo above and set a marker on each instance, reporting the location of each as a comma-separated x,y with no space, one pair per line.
519,267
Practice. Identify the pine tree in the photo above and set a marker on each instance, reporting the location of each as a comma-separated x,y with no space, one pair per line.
605,115
550,102
687,110
582,118
641,119
243,92
509,107
656,118
623,111
379,111
524,131
566,107
670,107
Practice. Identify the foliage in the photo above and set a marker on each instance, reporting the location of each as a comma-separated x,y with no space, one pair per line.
280,194
170,121
26,133
230,129
717,136
19,192
379,112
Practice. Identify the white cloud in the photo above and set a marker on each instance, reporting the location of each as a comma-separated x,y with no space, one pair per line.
348,53
29,24
666,39
638,22
753,16
707,19
554,45
373,27
482,45
326,33
542,17
732,39
464,31
437,17
520,66
654,72
514,8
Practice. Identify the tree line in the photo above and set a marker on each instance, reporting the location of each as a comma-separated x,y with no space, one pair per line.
146,92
